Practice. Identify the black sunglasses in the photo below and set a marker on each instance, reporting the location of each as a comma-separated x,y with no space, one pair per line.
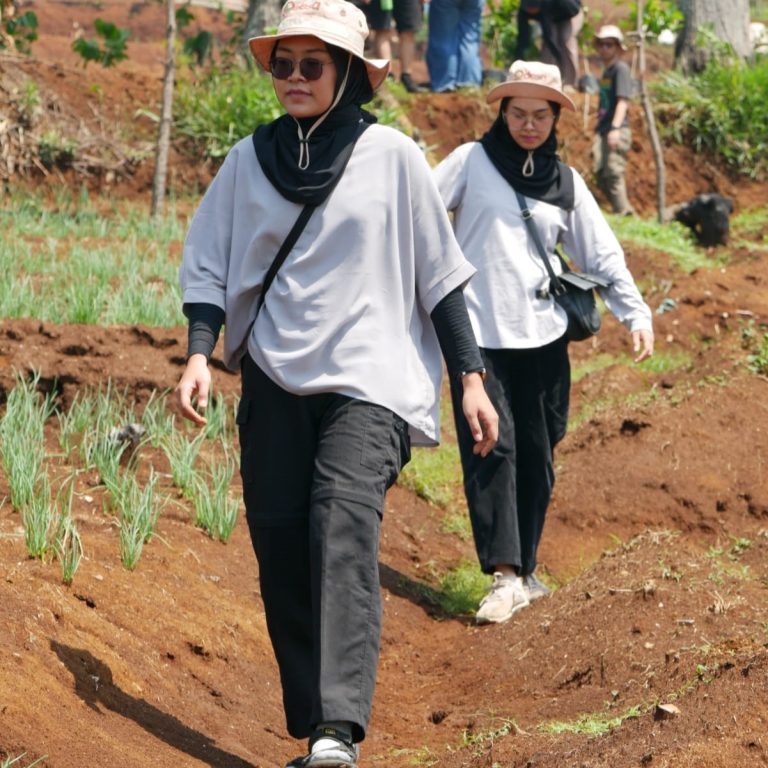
282,68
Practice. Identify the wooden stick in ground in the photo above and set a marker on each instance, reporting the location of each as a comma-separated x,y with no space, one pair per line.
166,114
649,118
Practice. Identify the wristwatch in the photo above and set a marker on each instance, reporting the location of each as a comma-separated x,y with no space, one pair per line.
481,371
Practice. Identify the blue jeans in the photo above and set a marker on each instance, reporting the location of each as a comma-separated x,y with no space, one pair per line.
453,50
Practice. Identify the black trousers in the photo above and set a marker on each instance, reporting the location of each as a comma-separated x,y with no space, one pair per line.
315,471
508,491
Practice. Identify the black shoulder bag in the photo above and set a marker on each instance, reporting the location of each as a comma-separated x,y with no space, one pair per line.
573,291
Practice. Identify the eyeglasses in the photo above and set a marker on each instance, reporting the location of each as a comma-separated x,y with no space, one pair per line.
538,119
606,44
310,69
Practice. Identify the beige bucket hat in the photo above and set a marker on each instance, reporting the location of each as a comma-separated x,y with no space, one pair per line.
532,80
336,22
610,32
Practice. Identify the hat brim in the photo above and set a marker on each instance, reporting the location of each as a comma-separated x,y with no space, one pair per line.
529,91
262,47
620,43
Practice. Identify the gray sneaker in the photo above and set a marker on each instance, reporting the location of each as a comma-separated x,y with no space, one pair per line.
534,588
339,753
505,597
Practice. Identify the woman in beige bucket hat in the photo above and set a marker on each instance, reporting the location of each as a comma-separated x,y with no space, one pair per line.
339,348
519,327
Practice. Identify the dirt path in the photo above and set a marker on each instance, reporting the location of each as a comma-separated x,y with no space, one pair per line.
658,536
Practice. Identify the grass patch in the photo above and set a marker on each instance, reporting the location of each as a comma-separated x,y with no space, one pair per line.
434,474
80,264
663,361
591,724
672,239
595,364
462,589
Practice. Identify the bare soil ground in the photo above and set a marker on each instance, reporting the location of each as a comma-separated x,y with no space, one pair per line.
657,535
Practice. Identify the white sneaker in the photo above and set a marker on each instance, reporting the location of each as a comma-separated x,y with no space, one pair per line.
505,597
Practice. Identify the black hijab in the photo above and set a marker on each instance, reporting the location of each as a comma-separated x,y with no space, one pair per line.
329,145
551,180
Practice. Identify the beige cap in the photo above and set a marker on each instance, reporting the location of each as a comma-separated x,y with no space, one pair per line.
532,80
610,32
336,22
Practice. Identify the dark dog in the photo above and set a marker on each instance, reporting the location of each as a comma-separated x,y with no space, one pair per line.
707,215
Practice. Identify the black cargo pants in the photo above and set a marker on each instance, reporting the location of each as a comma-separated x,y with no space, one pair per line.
315,470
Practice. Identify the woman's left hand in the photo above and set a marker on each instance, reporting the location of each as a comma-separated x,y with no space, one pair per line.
480,414
642,342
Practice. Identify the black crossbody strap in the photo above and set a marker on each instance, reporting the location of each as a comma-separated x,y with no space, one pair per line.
555,284
285,249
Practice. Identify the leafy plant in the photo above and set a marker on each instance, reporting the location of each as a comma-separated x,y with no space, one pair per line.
28,102
215,508
756,343
67,543
21,30
721,110
22,438
140,510
658,15
500,30
219,107
39,520
108,52
56,150
69,549
182,453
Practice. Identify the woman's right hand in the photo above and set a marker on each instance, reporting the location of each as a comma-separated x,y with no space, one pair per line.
195,383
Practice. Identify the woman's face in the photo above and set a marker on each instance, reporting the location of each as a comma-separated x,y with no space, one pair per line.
529,121
302,97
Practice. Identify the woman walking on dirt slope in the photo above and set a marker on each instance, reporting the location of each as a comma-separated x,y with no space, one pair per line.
339,346
520,328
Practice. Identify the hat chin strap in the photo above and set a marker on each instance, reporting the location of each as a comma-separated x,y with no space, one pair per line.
304,140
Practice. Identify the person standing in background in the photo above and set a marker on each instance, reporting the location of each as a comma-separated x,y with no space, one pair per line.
613,136
453,47
560,22
519,326
408,16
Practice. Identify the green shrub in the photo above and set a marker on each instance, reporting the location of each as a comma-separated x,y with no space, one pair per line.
20,30
221,107
218,107
110,51
722,110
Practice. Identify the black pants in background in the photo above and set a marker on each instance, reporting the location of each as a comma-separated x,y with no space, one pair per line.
508,491
315,470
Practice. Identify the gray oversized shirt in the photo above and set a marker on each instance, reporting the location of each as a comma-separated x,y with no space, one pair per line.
349,309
